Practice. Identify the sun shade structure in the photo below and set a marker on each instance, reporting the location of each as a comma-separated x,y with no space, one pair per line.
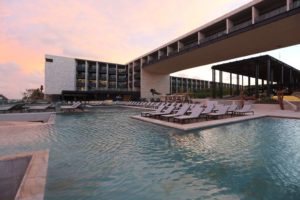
266,68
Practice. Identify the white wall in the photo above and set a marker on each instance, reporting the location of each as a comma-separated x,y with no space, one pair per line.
59,74
159,82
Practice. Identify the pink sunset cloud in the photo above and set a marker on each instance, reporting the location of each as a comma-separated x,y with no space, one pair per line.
113,31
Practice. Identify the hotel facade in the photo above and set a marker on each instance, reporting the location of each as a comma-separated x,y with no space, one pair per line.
242,32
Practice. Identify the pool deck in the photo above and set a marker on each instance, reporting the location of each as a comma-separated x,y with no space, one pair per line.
260,111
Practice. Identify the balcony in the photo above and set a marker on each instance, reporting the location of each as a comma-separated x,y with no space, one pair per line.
80,68
122,78
122,71
102,78
137,84
92,85
80,84
111,71
241,26
272,13
102,70
122,85
80,76
92,76
137,69
112,85
92,69
137,76
112,78
213,37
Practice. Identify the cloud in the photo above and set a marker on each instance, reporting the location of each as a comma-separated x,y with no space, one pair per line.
14,80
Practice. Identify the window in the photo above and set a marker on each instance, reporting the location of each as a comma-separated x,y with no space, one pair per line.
49,60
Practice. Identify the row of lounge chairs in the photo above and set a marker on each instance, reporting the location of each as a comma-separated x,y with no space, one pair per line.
21,107
189,112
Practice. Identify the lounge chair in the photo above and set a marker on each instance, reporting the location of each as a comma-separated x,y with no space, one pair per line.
222,111
169,110
184,108
232,108
39,107
196,112
244,110
209,108
13,107
71,108
158,110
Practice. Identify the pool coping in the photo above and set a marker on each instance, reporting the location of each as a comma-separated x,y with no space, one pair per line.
34,180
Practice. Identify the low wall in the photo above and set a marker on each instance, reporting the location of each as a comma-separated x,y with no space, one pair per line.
26,117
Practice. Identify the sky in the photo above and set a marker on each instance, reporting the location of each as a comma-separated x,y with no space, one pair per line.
106,30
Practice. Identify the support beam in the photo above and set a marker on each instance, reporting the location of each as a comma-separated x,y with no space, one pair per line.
237,84
288,4
268,77
179,46
229,25
255,14
282,75
97,75
86,76
230,84
220,84
200,37
256,80
249,84
213,83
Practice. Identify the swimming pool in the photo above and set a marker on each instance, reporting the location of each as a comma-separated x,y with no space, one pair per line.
107,155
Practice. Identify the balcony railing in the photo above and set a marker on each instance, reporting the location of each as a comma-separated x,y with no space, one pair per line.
92,69
122,78
92,76
188,45
241,26
137,84
112,78
92,85
102,78
80,84
295,4
112,71
122,71
212,37
272,13
80,68
102,71
137,69
80,76
137,76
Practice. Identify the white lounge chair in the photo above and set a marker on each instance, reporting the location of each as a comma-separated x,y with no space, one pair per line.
71,108
196,112
244,110
221,112
184,108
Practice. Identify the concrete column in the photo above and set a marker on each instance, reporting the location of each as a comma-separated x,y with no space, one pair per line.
148,58
255,14
200,37
282,75
86,76
288,4
97,75
221,84
116,76
229,25
159,54
179,46
169,50
107,76
230,84
238,84
291,79
256,80
268,77
213,83
249,84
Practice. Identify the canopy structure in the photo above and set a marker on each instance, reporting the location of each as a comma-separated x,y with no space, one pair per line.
265,68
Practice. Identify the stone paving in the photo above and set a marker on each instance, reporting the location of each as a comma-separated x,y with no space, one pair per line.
33,182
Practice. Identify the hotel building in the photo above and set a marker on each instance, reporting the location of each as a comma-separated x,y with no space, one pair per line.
256,27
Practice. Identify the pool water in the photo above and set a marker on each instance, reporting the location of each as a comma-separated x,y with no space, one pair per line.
106,155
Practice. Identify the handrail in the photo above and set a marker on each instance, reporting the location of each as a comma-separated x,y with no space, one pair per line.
240,26
272,13
212,37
